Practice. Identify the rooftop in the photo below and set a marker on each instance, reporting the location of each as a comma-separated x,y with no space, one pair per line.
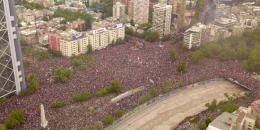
196,28
225,121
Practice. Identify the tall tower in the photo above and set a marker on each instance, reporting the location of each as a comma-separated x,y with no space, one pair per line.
138,10
179,8
119,10
11,68
162,15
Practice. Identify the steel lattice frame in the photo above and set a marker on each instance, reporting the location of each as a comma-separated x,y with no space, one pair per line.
11,69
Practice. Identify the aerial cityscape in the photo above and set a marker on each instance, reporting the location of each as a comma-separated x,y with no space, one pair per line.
129,64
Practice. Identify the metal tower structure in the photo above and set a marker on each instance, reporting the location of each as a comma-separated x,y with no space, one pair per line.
11,68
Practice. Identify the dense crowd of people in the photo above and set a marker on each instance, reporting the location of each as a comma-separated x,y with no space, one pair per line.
146,67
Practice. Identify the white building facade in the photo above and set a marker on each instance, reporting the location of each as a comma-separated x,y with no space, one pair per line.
162,15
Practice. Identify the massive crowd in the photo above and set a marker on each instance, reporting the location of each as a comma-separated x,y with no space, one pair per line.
146,67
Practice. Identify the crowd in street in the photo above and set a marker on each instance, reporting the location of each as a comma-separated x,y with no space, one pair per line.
145,67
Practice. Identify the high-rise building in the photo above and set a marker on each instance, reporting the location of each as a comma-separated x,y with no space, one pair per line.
92,2
179,9
194,36
162,15
138,10
119,10
54,41
11,67
125,2
72,43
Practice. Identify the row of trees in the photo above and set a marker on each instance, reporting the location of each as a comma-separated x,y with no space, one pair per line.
30,5
146,35
72,15
105,6
244,48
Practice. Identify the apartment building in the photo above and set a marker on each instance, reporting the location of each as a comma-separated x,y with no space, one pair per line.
138,10
72,43
116,32
119,10
242,119
54,41
92,2
75,43
162,16
179,9
99,38
125,2
194,35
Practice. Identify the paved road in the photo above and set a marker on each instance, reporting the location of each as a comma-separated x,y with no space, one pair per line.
167,114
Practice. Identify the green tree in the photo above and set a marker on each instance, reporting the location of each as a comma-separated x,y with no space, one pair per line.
166,86
32,85
150,36
197,56
152,91
166,38
144,98
45,18
253,62
2,127
129,31
30,5
71,15
90,49
108,120
132,22
82,96
63,28
182,67
58,104
119,113
62,74
242,50
106,8
114,87
212,106
173,55
37,53
99,125
15,118
229,107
